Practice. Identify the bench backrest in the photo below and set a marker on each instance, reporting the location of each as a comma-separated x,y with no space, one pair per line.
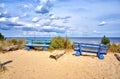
38,41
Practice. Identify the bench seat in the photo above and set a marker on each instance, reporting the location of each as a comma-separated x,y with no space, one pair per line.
41,45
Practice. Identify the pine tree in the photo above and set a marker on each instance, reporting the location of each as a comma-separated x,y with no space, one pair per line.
1,37
105,40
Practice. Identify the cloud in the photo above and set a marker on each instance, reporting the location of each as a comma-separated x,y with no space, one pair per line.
110,16
35,19
44,7
102,23
4,14
2,5
13,24
29,29
3,19
8,23
4,27
26,6
44,22
53,17
24,15
13,19
53,29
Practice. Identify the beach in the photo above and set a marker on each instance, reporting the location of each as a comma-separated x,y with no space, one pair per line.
38,65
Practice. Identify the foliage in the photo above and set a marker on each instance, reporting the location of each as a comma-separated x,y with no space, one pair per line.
57,42
1,37
60,43
105,40
114,48
5,43
14,41
67,43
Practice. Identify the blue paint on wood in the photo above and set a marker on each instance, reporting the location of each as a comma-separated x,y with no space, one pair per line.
99,49
43,43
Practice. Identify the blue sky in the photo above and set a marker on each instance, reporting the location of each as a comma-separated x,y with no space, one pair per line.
76,18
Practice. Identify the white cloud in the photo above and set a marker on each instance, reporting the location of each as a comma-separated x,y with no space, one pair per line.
25,6
24,15
13,19
5,12
94,31
102,23
44,6
44,21
53,29
39,7
25,24
2,5
53,17
3,19
47,27
35,19
58,22
37,25
44,1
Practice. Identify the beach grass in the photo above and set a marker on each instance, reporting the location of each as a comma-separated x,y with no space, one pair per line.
114,48
11,42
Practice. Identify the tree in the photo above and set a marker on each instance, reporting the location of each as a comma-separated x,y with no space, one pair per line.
1,37
105,40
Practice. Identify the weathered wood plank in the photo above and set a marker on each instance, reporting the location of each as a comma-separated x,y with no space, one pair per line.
56,56
117,57
11,48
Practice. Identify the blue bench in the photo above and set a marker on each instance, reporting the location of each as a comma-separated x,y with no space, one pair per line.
99,49
37,43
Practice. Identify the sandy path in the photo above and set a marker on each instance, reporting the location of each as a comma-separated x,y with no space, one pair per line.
37,65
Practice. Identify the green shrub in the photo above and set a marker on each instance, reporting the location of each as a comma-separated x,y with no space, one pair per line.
60,43
1,37
57,43
105,40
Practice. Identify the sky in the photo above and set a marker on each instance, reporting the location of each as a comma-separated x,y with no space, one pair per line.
49,18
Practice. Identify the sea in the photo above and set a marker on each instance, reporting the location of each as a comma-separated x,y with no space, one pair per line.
115,40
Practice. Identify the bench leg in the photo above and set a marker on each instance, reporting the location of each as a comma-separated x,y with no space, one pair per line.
27,48
100,56
45,48
78,53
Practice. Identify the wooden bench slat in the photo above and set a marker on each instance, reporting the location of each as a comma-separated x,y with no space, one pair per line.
37,45
91,51
90,47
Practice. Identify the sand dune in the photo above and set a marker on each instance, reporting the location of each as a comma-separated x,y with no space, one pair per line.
37,65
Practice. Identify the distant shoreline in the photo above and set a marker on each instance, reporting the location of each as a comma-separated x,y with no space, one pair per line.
115,40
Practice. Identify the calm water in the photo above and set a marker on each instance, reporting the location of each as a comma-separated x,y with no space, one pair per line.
77,39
